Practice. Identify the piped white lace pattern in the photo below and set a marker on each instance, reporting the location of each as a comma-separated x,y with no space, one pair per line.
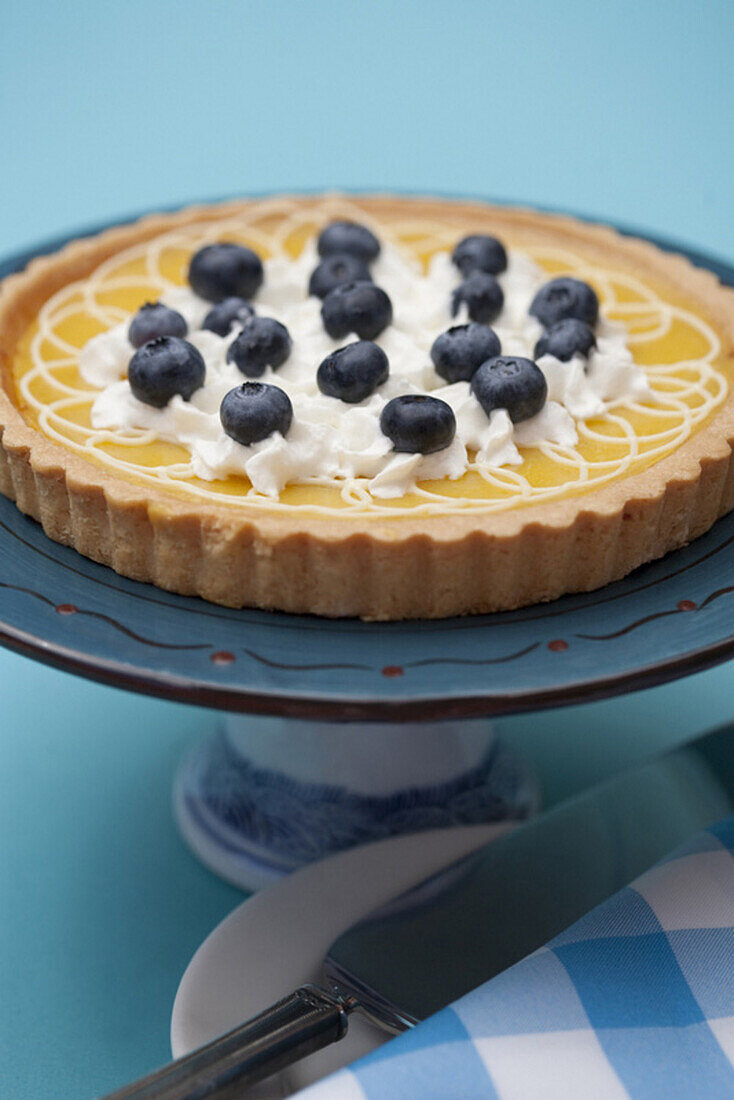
340,446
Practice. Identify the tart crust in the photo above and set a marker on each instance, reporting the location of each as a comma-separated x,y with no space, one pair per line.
370,566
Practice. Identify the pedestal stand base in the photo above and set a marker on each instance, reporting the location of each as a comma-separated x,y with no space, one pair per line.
264,796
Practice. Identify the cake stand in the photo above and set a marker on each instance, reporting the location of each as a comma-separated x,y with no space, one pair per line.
356,730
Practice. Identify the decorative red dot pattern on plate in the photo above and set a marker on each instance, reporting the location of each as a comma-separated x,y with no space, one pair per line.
686,605
557,645
66,609
392,670
223,657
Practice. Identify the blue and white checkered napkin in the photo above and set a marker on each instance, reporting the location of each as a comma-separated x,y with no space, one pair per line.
634,1000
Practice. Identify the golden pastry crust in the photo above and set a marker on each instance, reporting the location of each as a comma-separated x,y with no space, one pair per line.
370,566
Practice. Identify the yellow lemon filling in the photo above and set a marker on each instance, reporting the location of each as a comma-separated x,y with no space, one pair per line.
678,349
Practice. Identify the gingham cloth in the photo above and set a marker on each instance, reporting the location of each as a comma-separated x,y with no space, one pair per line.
634,1000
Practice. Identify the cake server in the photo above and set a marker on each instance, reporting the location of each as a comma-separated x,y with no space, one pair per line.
474,919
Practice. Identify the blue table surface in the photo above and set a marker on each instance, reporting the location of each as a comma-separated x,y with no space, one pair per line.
620,110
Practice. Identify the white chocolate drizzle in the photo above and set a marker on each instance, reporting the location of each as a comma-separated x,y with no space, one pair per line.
340,446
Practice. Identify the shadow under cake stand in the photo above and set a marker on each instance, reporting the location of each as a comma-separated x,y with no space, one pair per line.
356,731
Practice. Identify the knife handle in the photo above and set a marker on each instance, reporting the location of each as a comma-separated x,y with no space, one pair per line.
305,1021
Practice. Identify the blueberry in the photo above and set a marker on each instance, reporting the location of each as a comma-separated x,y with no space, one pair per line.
483,296
563,298
154,319
361,308
511,383
336,270
223,315
349,237
418,423
354,372
458,352
225,270
255,410
163,368
480,253
262,343
566,339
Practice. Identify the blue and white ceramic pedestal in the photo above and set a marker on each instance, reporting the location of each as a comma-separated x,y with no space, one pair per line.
264,796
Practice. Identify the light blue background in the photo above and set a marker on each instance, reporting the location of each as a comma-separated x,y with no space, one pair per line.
622,110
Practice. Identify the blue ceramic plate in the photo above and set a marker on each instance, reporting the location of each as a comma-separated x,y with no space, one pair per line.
667,619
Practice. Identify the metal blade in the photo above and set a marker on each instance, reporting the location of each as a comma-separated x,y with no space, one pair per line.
461,927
